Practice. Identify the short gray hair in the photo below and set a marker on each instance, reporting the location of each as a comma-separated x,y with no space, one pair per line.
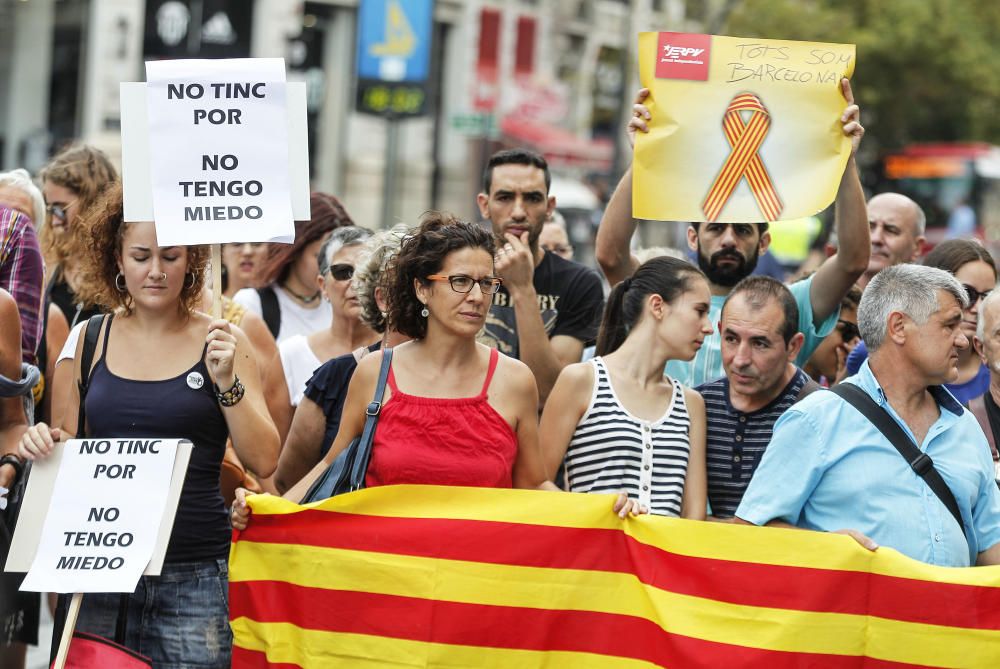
983,306
347,235
20,178
909,289
379,249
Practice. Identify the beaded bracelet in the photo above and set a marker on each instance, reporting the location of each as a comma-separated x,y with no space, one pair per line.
232,396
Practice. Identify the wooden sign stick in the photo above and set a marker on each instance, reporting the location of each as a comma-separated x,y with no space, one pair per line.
216,280
67,635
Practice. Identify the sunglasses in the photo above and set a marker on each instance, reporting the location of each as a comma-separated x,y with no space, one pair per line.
848,331
58,211
975,295
341,271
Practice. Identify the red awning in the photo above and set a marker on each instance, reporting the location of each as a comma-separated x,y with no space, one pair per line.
558,145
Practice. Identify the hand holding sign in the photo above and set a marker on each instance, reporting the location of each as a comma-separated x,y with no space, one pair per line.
220,353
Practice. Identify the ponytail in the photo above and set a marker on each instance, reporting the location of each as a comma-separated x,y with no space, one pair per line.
664,276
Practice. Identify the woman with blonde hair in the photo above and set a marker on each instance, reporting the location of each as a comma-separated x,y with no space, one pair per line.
162,369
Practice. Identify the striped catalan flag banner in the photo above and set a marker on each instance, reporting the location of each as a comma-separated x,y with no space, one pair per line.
419,576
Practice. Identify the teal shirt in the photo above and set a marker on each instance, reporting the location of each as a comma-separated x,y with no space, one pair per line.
707,364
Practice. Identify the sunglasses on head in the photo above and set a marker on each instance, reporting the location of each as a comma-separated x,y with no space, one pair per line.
975,295
848,330
58,211
341,271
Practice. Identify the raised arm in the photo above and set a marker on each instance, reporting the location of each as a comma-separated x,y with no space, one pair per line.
838,273
614,235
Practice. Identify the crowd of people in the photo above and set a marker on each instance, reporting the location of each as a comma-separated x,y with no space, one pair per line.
700,390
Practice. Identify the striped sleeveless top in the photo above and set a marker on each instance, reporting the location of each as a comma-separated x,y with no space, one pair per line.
613,451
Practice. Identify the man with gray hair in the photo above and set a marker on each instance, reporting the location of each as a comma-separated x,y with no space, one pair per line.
830,468
986,407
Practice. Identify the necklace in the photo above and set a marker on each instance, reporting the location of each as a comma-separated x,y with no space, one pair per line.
304,299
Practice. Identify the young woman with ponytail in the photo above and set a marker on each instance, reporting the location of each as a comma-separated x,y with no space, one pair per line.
637,432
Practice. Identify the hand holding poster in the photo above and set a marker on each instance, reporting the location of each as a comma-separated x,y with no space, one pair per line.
219,150
103,520
742,130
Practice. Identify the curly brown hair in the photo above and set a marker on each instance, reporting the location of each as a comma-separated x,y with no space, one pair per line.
86,171
421,255
103,231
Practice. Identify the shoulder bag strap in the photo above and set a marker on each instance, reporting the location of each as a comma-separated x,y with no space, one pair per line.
919,461
90,334
269,309
360,467
807,389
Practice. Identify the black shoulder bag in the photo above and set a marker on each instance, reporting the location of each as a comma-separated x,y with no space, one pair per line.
270,310
90,334
347,472
919,461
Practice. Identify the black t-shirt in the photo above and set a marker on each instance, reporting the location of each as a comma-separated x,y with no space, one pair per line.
570,299
328,389
75,311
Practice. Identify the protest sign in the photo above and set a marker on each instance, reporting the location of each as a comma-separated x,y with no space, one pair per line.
98,514
218,140
742,130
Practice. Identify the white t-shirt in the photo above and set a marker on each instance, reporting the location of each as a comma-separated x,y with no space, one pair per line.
295,319
299,362
69,348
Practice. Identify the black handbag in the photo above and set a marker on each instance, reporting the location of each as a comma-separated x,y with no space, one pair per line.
348,470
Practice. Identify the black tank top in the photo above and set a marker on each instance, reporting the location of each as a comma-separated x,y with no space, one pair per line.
171,409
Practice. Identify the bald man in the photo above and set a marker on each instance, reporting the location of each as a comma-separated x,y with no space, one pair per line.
897,231
987,343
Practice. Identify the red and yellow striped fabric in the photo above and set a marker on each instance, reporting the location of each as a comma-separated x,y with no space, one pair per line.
418,576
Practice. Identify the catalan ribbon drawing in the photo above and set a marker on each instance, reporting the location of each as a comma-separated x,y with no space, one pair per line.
744,139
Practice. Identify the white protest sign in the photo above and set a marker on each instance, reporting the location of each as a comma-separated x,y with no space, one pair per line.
102,523
218,141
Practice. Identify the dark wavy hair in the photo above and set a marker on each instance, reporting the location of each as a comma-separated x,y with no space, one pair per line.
664,276
326,214
103,226
421,255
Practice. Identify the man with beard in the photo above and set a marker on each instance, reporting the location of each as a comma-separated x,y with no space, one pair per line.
548,308
728,252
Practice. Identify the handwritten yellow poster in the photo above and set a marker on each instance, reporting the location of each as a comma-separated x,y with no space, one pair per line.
742,130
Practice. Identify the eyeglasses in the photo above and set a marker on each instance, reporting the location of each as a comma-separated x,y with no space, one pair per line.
58,211
341,272
461,283
975,295
848,331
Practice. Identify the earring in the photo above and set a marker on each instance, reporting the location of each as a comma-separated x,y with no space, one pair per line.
189,284
424,312
120,282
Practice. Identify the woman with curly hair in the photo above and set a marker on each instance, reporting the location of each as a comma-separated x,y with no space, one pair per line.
201,384
71,183
290,301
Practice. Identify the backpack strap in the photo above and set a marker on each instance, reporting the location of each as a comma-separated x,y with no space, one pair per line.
919,461
270,311
90,335
807,389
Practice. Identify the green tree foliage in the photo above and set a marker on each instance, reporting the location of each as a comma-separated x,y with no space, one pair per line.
927,70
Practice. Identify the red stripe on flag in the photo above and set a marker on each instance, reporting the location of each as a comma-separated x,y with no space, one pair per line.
491,626
244,658
745,583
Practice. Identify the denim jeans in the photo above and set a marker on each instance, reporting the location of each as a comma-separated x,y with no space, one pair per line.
179,619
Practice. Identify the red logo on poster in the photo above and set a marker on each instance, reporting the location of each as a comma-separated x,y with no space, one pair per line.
683,56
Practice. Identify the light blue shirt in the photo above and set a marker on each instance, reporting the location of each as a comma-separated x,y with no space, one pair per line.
707,363
828,468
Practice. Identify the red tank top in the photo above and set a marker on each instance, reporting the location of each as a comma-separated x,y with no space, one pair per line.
434,441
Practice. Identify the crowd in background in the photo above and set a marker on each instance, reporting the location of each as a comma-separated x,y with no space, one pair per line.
683,385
